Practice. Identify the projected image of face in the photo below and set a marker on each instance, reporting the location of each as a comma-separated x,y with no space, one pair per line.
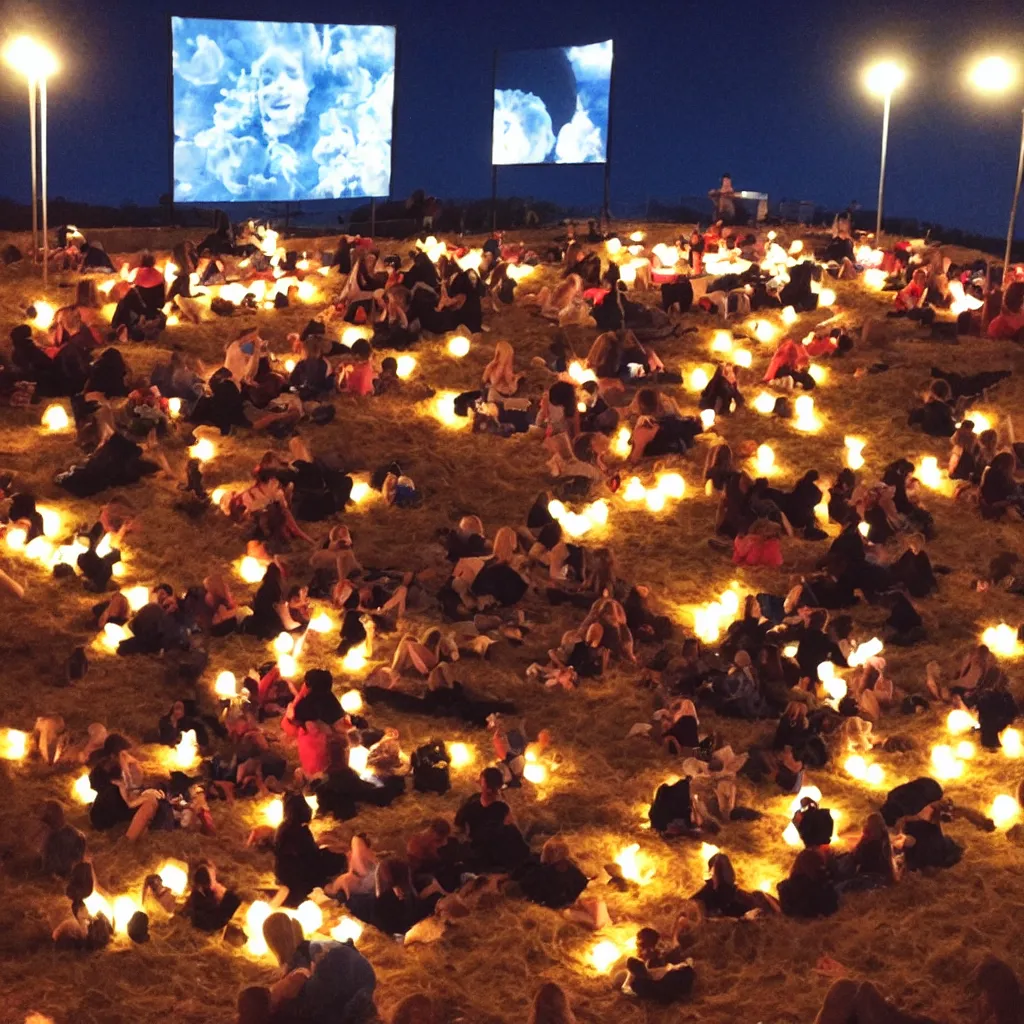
551,106
279,111
281,92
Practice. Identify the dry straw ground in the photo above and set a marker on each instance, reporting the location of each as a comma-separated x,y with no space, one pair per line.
917,941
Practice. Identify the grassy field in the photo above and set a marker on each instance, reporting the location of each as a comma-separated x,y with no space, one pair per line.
918,942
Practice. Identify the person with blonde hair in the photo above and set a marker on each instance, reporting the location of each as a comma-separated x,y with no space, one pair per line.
551,1006
499,376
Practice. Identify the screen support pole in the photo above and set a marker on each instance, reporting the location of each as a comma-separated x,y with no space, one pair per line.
494,166
494,197
373,217
606,213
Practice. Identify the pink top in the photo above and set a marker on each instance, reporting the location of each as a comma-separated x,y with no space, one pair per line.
359,379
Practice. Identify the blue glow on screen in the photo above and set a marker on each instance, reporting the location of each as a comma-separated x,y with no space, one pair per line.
279,111
551,106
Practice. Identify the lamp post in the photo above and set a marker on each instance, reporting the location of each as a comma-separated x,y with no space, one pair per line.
994,76
35,63
882,79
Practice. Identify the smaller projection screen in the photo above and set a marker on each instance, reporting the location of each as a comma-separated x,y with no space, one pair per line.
276,111
551,106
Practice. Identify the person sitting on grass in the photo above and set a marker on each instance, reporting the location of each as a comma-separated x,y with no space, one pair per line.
210,905
495,841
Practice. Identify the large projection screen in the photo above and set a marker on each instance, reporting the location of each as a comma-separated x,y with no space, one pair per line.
277,111
551,105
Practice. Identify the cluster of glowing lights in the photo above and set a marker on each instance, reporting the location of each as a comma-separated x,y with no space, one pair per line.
832,684
864,652
534,772
1002,640
308,914
667,487
872,774
578,524
708,619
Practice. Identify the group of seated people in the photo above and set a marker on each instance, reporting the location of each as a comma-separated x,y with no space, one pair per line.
346,761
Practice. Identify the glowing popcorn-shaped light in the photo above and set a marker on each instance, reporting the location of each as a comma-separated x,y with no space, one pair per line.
765,460
458,347
226,685
741,357
833,685
406,366
124,908
348,929
579,374
621,445
671,485
174,874
112,635
1004,811
959,721
284,643
461,755
603,955
789,316
854,448
928,472
945,763
634,490
1011,743
251,569
864,652
707,418
84,793
628,860
1001,640
55,418
806,420
444,411
698,379
765,403
186,753
13,744
826,298
203,450
764,331
310,917
721,341
535,773
257,913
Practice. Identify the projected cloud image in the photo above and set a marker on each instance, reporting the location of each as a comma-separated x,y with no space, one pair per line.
551,106
278,111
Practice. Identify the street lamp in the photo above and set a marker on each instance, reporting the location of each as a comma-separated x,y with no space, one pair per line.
994,76
882,79
35,63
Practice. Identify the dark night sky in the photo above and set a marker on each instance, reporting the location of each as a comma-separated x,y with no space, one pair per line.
768,90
